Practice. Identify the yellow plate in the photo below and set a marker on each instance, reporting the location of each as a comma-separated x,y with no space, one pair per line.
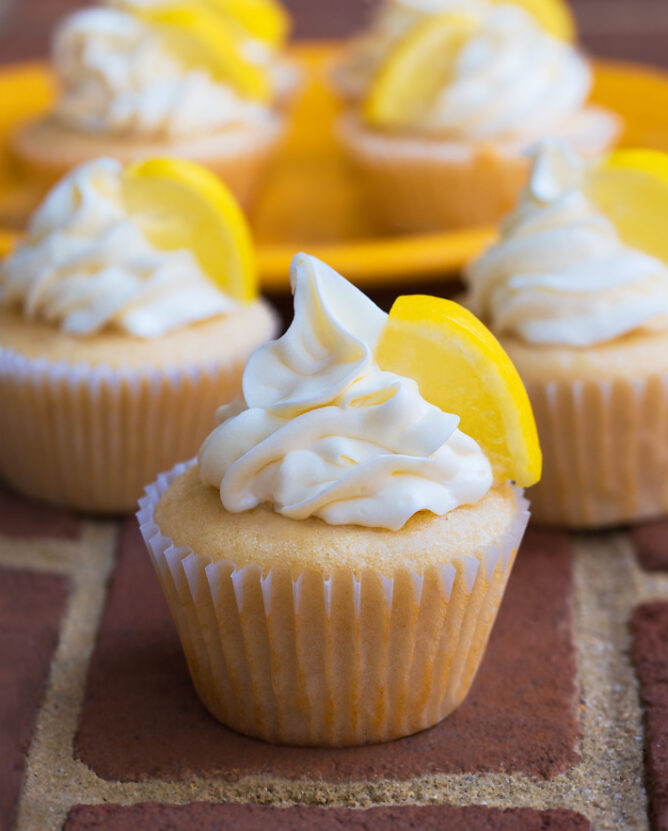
311,202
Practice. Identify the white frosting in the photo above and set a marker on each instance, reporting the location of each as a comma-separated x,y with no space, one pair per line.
324,432
560,273
117,77
392,19
86,265
511,79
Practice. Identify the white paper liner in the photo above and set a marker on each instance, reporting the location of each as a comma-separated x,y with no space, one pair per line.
336,659
605,451
91,437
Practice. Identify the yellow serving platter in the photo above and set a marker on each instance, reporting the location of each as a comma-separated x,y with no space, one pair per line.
311,201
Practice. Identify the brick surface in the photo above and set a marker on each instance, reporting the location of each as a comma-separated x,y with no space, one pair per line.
207,817
651,544
649,626
31,607
141,717
22,519
626,29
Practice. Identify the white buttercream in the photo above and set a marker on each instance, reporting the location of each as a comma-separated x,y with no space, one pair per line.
86,265
324,432
117,77
560,273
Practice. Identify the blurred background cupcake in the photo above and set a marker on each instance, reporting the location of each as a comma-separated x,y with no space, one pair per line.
127,314
448,98
202,80
577,292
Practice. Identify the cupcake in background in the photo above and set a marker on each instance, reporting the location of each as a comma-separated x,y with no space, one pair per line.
441,133
127,313
146,79
335,560
577,292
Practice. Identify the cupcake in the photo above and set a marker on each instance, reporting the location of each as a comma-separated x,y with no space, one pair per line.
148,79
335,558
441,133
127,313
577,292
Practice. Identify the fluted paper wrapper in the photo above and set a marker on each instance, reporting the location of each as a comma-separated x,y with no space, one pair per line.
605,451
330,659
413,190
91,437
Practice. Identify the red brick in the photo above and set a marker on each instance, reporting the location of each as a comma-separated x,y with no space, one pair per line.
30,520
31,607
141,717
649,626
207,817
651,544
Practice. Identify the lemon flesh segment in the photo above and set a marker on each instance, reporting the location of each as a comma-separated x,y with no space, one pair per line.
179,204
553,15
631,188
460,367
262,19
199,39
416,70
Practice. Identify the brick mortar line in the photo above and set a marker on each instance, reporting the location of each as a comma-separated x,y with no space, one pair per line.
49,556
49,789
582,788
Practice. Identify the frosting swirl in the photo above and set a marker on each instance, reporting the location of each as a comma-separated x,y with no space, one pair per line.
324,432
85,265
561,274
116,77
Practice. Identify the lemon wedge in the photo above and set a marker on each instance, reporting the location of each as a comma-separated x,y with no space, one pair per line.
179,204
199,38
460,367
631,189
262,19
553,15
418,67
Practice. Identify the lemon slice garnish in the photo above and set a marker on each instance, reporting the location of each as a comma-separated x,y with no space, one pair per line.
416,70
199,38
461,367
179,204
553,15
631,189
265,20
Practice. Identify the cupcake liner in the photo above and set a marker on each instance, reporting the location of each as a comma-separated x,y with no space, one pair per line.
605,451
91,437
419,185
44,152
330,659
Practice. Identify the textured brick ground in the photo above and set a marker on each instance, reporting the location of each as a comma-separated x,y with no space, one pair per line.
650,655
31,607
207,817
21,519
651,542
519,716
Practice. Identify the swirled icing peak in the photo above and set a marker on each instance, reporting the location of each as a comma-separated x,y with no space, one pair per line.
560,273
85,265
322,431
116,76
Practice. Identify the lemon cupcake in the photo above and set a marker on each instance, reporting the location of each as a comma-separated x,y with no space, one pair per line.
441,134
126,314
577,292
159,79
335,560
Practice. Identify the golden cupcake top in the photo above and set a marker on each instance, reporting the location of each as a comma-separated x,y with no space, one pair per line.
171,69
584,258
353,415
146,249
